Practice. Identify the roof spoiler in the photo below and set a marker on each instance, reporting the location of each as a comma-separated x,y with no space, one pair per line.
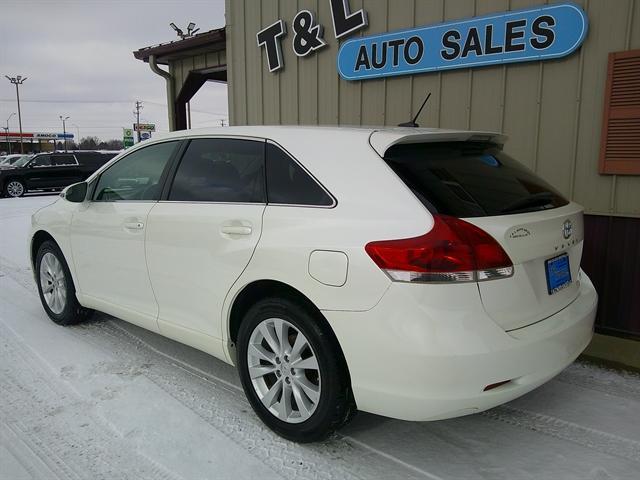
382,140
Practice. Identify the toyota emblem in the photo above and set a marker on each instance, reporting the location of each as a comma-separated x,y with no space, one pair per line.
567,229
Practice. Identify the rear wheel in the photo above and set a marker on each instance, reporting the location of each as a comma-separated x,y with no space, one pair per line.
56,288
14,188
292,371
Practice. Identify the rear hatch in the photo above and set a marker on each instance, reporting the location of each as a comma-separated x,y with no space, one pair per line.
540,230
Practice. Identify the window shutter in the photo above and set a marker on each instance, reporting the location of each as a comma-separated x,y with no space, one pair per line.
620,142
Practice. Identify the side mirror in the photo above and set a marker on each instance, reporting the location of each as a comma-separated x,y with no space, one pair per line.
76,193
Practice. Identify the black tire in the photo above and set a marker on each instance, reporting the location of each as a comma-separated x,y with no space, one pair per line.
9,189
335,407
72,312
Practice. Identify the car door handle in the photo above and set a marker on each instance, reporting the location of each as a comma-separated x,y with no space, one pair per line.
134,225
236,229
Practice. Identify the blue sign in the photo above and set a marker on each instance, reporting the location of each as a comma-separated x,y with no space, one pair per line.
521,36
64,135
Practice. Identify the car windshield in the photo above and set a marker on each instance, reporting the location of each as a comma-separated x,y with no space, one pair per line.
22,161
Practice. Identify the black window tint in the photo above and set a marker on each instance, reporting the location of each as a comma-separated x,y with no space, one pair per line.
136,176
64,160
470,179
288,183
94,160
220,170
41,161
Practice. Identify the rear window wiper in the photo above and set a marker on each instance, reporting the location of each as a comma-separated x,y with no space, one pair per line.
541,199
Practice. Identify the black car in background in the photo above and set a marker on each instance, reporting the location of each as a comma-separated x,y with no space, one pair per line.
50,171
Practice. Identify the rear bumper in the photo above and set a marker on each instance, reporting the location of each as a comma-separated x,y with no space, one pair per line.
422,354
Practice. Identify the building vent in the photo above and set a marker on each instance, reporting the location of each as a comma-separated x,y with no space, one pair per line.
620,147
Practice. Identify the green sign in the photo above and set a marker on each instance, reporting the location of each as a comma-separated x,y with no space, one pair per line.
127,137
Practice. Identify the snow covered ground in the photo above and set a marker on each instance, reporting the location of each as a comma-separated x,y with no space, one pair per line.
107,400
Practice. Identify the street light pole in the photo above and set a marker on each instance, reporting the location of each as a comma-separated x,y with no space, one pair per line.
64,131
6,129
18,80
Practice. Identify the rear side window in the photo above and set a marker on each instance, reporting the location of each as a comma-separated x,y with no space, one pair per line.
65,160
220,170
470,179
94,159
289,184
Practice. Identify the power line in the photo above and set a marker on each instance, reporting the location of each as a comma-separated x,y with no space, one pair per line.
6,100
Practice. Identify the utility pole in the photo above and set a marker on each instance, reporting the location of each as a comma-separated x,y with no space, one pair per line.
18,80
6,130
137,114
64,131
78,139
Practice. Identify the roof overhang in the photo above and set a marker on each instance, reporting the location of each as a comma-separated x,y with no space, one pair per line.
206,42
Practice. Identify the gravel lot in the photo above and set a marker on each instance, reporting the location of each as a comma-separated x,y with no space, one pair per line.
108,400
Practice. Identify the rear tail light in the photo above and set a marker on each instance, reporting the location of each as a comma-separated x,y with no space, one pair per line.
452,251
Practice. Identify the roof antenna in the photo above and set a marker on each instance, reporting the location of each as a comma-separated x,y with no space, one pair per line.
413,123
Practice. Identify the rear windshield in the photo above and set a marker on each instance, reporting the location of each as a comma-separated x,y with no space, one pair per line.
470,179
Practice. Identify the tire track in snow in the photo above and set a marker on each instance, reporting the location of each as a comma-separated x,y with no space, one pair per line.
22,276
60,427
620,383
587,437
16,439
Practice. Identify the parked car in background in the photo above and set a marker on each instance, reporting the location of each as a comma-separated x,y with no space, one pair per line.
8,160
419,274
50,171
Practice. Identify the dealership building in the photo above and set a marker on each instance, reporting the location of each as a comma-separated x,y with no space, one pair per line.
561,80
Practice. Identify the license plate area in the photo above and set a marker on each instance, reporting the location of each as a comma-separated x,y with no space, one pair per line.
558,272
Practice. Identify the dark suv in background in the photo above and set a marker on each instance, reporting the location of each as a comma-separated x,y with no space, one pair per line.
50,171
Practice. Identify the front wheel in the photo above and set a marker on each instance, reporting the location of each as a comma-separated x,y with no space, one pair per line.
14,188
293,371
56,288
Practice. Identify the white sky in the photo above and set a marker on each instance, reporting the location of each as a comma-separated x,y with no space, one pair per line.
77,55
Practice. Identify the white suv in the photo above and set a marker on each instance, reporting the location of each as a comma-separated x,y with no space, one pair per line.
414,273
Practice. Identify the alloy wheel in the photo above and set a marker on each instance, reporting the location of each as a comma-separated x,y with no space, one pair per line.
15,189
53,283
284,370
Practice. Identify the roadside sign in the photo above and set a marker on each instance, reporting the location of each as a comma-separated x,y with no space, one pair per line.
145,135
144,127
127,137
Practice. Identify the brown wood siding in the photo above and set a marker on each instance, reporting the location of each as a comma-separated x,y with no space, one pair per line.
620,144
611,258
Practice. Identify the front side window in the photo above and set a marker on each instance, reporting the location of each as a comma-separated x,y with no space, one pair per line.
20,160
136,176
289,184
42,161
220,170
